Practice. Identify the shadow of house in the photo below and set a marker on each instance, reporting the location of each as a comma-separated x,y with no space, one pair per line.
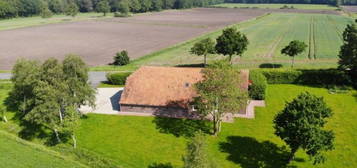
249,153
115,99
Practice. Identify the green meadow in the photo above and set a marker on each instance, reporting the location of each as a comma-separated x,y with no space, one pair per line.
138,142
15,152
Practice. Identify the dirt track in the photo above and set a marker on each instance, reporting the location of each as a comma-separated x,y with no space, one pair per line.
98,41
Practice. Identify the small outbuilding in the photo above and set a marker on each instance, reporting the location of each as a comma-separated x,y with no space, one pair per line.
165,91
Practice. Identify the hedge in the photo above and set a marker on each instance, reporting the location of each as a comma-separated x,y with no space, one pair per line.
118,78
258,86
307,77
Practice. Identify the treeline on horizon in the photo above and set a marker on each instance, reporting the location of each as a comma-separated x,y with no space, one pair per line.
26,8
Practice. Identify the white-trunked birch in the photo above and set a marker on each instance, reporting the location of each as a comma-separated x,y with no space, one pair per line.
219,93
53,92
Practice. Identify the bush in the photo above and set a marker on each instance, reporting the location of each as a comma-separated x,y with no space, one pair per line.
116,14
306,77
258,86
121,58
118,78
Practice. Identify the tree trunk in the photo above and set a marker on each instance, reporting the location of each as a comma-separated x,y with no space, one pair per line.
292,154
230,59
205,61
4,118
74,141
292,63
57,136
60,115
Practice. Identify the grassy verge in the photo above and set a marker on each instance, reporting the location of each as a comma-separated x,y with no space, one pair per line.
16,152
107,85
37,20
277,6
138,142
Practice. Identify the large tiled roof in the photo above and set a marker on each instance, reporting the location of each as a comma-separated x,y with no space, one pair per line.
161,86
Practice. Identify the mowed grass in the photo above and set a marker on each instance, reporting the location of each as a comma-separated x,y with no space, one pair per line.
15,152
277,6
247,143
267,35
21,22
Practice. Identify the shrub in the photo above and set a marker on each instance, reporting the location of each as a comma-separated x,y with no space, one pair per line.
116,14
121,58
307,77
258,87
117,78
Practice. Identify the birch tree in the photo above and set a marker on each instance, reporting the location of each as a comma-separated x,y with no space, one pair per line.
219,93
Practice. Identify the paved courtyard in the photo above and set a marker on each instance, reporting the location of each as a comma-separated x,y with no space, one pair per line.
107,101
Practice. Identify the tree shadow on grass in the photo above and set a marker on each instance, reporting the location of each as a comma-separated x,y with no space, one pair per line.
181,127
160,165
270,65
249,153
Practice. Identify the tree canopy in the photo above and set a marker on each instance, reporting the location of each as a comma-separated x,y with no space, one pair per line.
50,94
219,93
301,125
203,48
103,7
231,42
348,52
294,48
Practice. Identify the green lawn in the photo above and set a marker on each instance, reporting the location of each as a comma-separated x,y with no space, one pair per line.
277,6
15,152
136,142
37,20
267,35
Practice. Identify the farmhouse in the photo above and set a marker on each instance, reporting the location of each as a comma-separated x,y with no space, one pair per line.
164,91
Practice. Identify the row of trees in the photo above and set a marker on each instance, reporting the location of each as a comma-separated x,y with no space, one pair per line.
24,8
48,95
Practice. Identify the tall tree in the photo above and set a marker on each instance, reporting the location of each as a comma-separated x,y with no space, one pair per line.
24,76
56,6
301,123
45,11
203,48
348,52
293,49
54,91
103,7
231,42
123,7
219,93
135,6
72,9
197,155
85,5
156,5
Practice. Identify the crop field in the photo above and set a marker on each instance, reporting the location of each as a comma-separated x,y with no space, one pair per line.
267,35
277,6
352,9
98,40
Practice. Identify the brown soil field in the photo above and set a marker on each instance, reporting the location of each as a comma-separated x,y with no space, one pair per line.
98,41
352,9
